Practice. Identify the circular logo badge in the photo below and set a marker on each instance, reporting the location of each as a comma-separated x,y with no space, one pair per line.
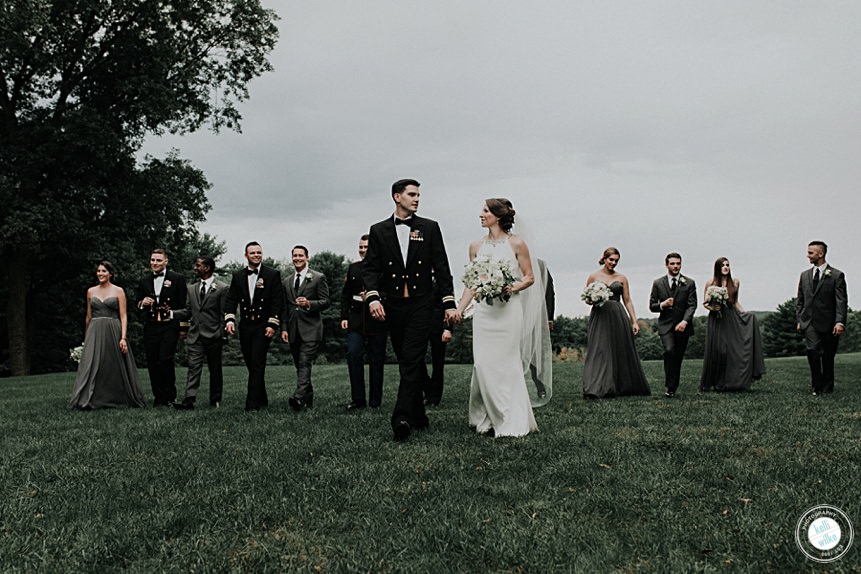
824,533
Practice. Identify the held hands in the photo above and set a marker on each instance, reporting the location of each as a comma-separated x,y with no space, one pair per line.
452,316
377,311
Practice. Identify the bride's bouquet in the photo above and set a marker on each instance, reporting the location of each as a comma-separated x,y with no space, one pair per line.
716,297
76,353
488,279
596,293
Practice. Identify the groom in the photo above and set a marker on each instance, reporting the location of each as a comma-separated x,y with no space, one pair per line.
821,315
405,253
674,296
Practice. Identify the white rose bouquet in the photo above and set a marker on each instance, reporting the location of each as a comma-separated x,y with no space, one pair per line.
596,293
76,353
716,297
488,279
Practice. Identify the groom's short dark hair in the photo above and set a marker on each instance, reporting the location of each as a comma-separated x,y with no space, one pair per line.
672,255
821,245
400,185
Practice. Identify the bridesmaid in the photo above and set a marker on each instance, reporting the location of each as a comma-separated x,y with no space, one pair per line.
733,354
107,375
612,366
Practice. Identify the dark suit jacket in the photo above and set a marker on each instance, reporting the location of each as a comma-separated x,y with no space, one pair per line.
300,323
266,304
353,308
173,294
387,276
827,305
685,301
205,318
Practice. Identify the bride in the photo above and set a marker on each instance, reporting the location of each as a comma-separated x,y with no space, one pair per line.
508,337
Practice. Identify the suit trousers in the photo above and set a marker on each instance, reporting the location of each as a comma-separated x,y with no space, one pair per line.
821,348
304,353
208,350
255,347
409,323
675,345
357,343
433,381
160,340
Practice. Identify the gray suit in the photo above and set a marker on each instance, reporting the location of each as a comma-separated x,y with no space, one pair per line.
205,319
819,309
304,327
684,305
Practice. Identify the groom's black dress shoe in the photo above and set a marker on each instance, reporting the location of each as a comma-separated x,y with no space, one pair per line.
402,431
185,405
669,394
355,405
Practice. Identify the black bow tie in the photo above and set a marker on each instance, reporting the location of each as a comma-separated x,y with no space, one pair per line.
251,271
154,275
408,222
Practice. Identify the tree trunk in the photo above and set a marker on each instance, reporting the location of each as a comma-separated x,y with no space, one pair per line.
16,311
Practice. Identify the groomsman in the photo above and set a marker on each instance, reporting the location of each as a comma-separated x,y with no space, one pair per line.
306,295
204,316
821,315
405,252
158,293
362,332
258,292
674,296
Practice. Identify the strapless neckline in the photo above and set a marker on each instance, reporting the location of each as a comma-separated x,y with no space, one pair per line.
100,300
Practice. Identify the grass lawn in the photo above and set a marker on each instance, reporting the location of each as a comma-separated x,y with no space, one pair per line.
700,483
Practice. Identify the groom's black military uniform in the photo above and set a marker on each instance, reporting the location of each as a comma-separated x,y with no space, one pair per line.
406,289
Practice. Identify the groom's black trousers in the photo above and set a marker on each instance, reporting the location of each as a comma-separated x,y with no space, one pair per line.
160,340
409,322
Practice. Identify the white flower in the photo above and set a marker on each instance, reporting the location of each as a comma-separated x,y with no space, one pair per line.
596,293
717,296
76,353
827,273
488,278
682,280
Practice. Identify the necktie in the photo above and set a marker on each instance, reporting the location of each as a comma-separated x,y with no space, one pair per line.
399,221
815,278
673,286
251,271
296,283
202,289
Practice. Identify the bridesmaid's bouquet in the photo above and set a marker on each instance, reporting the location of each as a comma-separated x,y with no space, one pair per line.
76,353
716,297
596,293
488,279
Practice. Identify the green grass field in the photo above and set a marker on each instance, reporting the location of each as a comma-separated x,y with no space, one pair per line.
700,483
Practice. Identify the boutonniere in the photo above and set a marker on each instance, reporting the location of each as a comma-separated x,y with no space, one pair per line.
166,283
682,280
416,235
259,284
827,273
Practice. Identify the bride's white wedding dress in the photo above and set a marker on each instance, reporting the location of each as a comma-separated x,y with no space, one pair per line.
498,396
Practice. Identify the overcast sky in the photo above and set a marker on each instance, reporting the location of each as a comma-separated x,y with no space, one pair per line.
725,128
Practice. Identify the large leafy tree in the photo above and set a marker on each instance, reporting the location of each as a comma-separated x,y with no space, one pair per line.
82,83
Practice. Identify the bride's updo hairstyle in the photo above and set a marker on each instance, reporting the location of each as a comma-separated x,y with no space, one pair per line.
503,210
607,253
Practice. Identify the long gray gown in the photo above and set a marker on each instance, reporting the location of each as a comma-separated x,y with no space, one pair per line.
733,355
106,377
612,366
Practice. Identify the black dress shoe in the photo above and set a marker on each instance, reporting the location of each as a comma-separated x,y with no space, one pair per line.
402,431
185,405
355,405
215,404
299,404
669,394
